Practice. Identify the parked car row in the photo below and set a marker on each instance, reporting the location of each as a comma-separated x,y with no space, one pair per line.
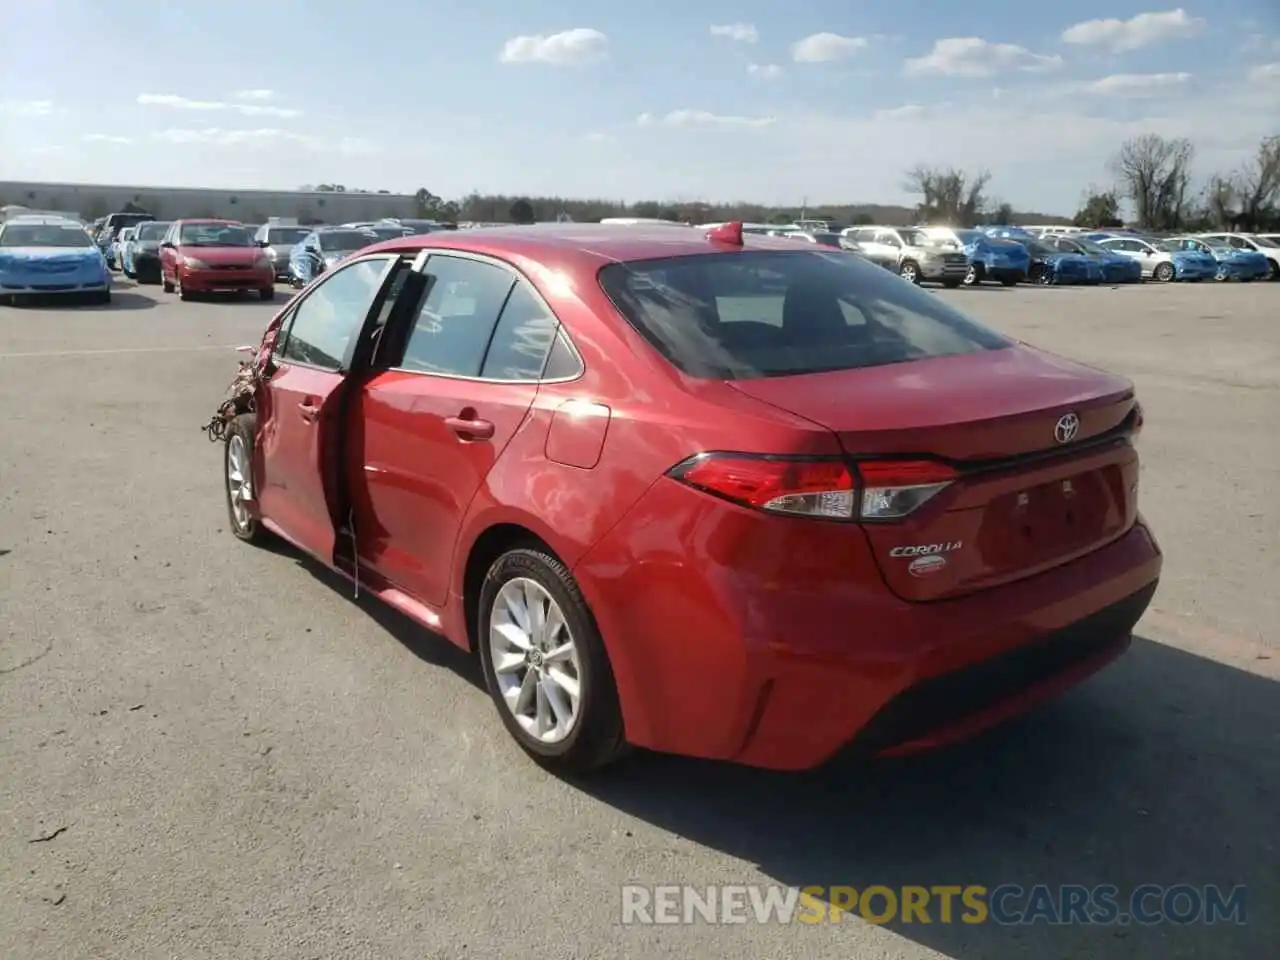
1009,255
196,256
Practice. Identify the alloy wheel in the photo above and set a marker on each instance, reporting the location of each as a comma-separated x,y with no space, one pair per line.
535,660
239,480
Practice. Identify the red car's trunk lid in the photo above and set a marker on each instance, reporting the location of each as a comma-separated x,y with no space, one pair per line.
1028,496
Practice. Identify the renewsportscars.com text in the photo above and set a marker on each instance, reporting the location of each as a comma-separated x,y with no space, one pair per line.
1007,904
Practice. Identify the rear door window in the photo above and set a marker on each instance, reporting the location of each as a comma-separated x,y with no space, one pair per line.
456,319
775,313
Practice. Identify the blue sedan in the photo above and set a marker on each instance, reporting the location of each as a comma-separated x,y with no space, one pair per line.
1232,262
1116,267
48,256
323,248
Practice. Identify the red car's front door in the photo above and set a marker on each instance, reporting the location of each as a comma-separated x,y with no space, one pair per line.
299,407
424,435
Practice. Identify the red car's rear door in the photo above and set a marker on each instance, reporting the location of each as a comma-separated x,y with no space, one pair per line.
462,371
299,408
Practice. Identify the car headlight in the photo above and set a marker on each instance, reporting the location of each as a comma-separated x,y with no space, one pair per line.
191,263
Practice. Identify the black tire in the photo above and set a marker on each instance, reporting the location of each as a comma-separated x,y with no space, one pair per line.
267,293
1041,275
975,276
952,283
243,429
1163,272
1009,281
1275,271
102,298
165,285
183,292
909,270
598,738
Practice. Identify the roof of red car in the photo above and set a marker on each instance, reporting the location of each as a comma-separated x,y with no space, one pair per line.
584,242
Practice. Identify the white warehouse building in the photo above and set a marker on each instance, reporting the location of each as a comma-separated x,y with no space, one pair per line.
91,201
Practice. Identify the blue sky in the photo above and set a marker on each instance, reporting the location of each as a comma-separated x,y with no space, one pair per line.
759,100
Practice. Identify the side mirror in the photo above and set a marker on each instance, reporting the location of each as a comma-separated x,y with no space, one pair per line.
263,243
167,246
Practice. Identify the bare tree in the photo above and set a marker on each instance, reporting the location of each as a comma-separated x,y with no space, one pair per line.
1155,173
1257,185
1220,198
948,195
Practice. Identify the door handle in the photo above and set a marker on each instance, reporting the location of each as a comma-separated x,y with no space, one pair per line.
468,429
309,410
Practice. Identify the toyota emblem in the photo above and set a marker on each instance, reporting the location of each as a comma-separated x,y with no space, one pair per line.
1066,428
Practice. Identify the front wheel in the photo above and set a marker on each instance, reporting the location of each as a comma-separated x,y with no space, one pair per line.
974,276
1163,272
267,293
545,664
166,284
238,476
951,283
909,271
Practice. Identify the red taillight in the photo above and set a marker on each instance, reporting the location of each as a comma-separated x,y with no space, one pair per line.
824,488
892,489
807,488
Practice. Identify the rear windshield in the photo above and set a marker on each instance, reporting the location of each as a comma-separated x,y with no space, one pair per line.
286,235
154,230
739,316
340,241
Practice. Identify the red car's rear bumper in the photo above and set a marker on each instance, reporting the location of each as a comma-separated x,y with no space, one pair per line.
775,643
212,281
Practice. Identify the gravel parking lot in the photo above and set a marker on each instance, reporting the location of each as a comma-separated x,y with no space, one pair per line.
208,750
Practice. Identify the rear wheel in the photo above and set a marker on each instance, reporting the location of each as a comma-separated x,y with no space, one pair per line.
1274,271
102,297
238,476
267,293
952,282
1009,281
545,664
974,276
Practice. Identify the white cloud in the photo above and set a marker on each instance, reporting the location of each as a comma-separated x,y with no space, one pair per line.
1137,84
742,32
1137,32
1265,73
258,95
106,138
176,102
579,45
975,57
766,71
908,111
704,119
220,137
26,108
826,47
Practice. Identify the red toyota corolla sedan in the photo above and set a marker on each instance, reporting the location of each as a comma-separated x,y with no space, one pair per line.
757,501
214,256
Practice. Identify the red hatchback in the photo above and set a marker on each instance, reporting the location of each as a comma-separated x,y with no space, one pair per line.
762,502
214,256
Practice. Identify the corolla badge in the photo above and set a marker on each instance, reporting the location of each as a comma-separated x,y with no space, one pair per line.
1065,430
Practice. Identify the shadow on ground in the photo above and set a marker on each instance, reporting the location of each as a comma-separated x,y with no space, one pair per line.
1164,769
121,300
